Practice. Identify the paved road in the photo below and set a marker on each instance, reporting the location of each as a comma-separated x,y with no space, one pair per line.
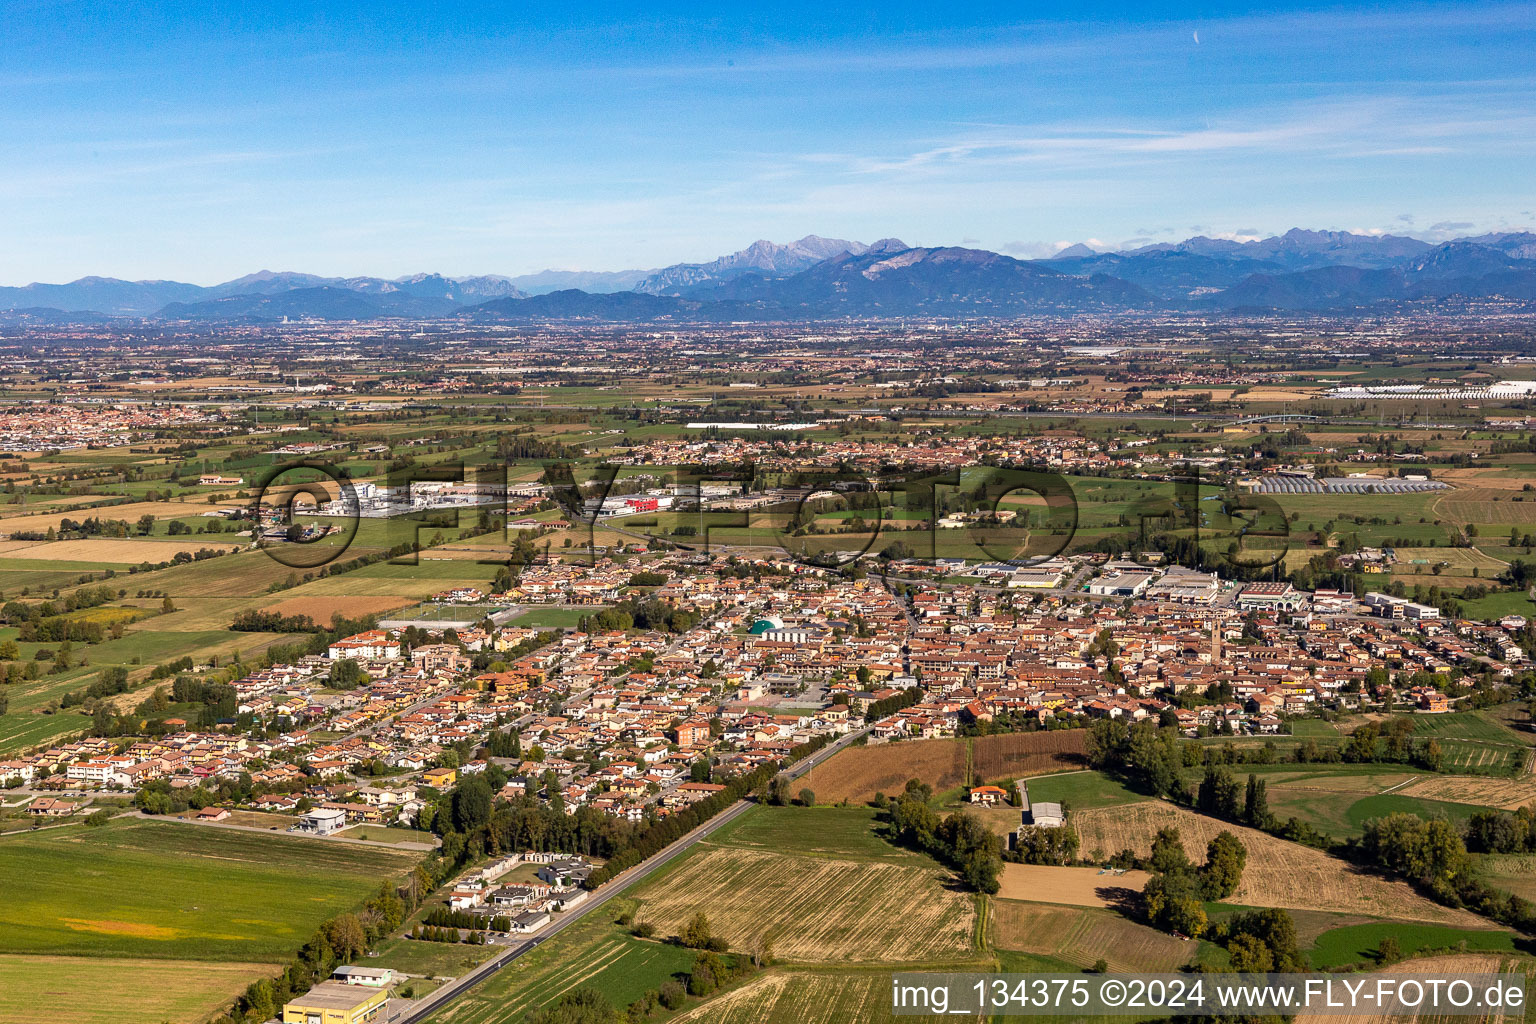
419,1010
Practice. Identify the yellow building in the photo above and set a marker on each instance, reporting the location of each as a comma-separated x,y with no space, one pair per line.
439,778
332,1002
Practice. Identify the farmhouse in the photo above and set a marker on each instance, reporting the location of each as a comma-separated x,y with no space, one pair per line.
988,795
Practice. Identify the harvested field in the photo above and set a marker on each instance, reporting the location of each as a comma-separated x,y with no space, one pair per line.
86,990
1279,873
1466,963
1083,936
120,552
801,997
1078,887
321,609
1488,511
1461,560
130,512
858,773
1505,794
815,908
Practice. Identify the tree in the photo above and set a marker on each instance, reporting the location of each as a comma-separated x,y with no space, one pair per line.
167,605
472,802
696,935
346,936
345,674
1256,803
1388,952
1225,857
1168,856
807,798
1250,955
672,995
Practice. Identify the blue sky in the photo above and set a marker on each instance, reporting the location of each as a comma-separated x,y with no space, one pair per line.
203,141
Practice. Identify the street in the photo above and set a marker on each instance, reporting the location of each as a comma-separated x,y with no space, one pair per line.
419,1010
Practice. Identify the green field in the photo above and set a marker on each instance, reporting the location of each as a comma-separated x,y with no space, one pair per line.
1358,943
593,953
844,833
137,888
545,617
430,959
1078,791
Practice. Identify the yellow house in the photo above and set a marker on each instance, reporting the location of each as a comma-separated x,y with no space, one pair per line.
332,1002
439,778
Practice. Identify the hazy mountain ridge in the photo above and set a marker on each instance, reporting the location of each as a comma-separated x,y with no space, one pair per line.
817,277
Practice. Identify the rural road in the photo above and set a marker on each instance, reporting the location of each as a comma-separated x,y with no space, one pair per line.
419,1010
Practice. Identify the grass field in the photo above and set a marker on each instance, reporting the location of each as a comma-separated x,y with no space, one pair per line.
548,617
138,888
430,959
80,990
1358,943
1078,791
1338,803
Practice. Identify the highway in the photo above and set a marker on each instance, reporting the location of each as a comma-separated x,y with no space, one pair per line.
415,1011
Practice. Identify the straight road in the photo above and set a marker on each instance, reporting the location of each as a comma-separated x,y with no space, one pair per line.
419,1010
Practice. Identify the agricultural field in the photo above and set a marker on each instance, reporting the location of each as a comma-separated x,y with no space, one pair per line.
1278,874
320,609
823,892
1339,802
80,990
858,773
126,551
140,888
816,908
1073,886
593,953
1081,936
1506,794
801,997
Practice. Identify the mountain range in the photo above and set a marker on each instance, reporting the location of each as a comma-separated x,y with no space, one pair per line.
817,278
